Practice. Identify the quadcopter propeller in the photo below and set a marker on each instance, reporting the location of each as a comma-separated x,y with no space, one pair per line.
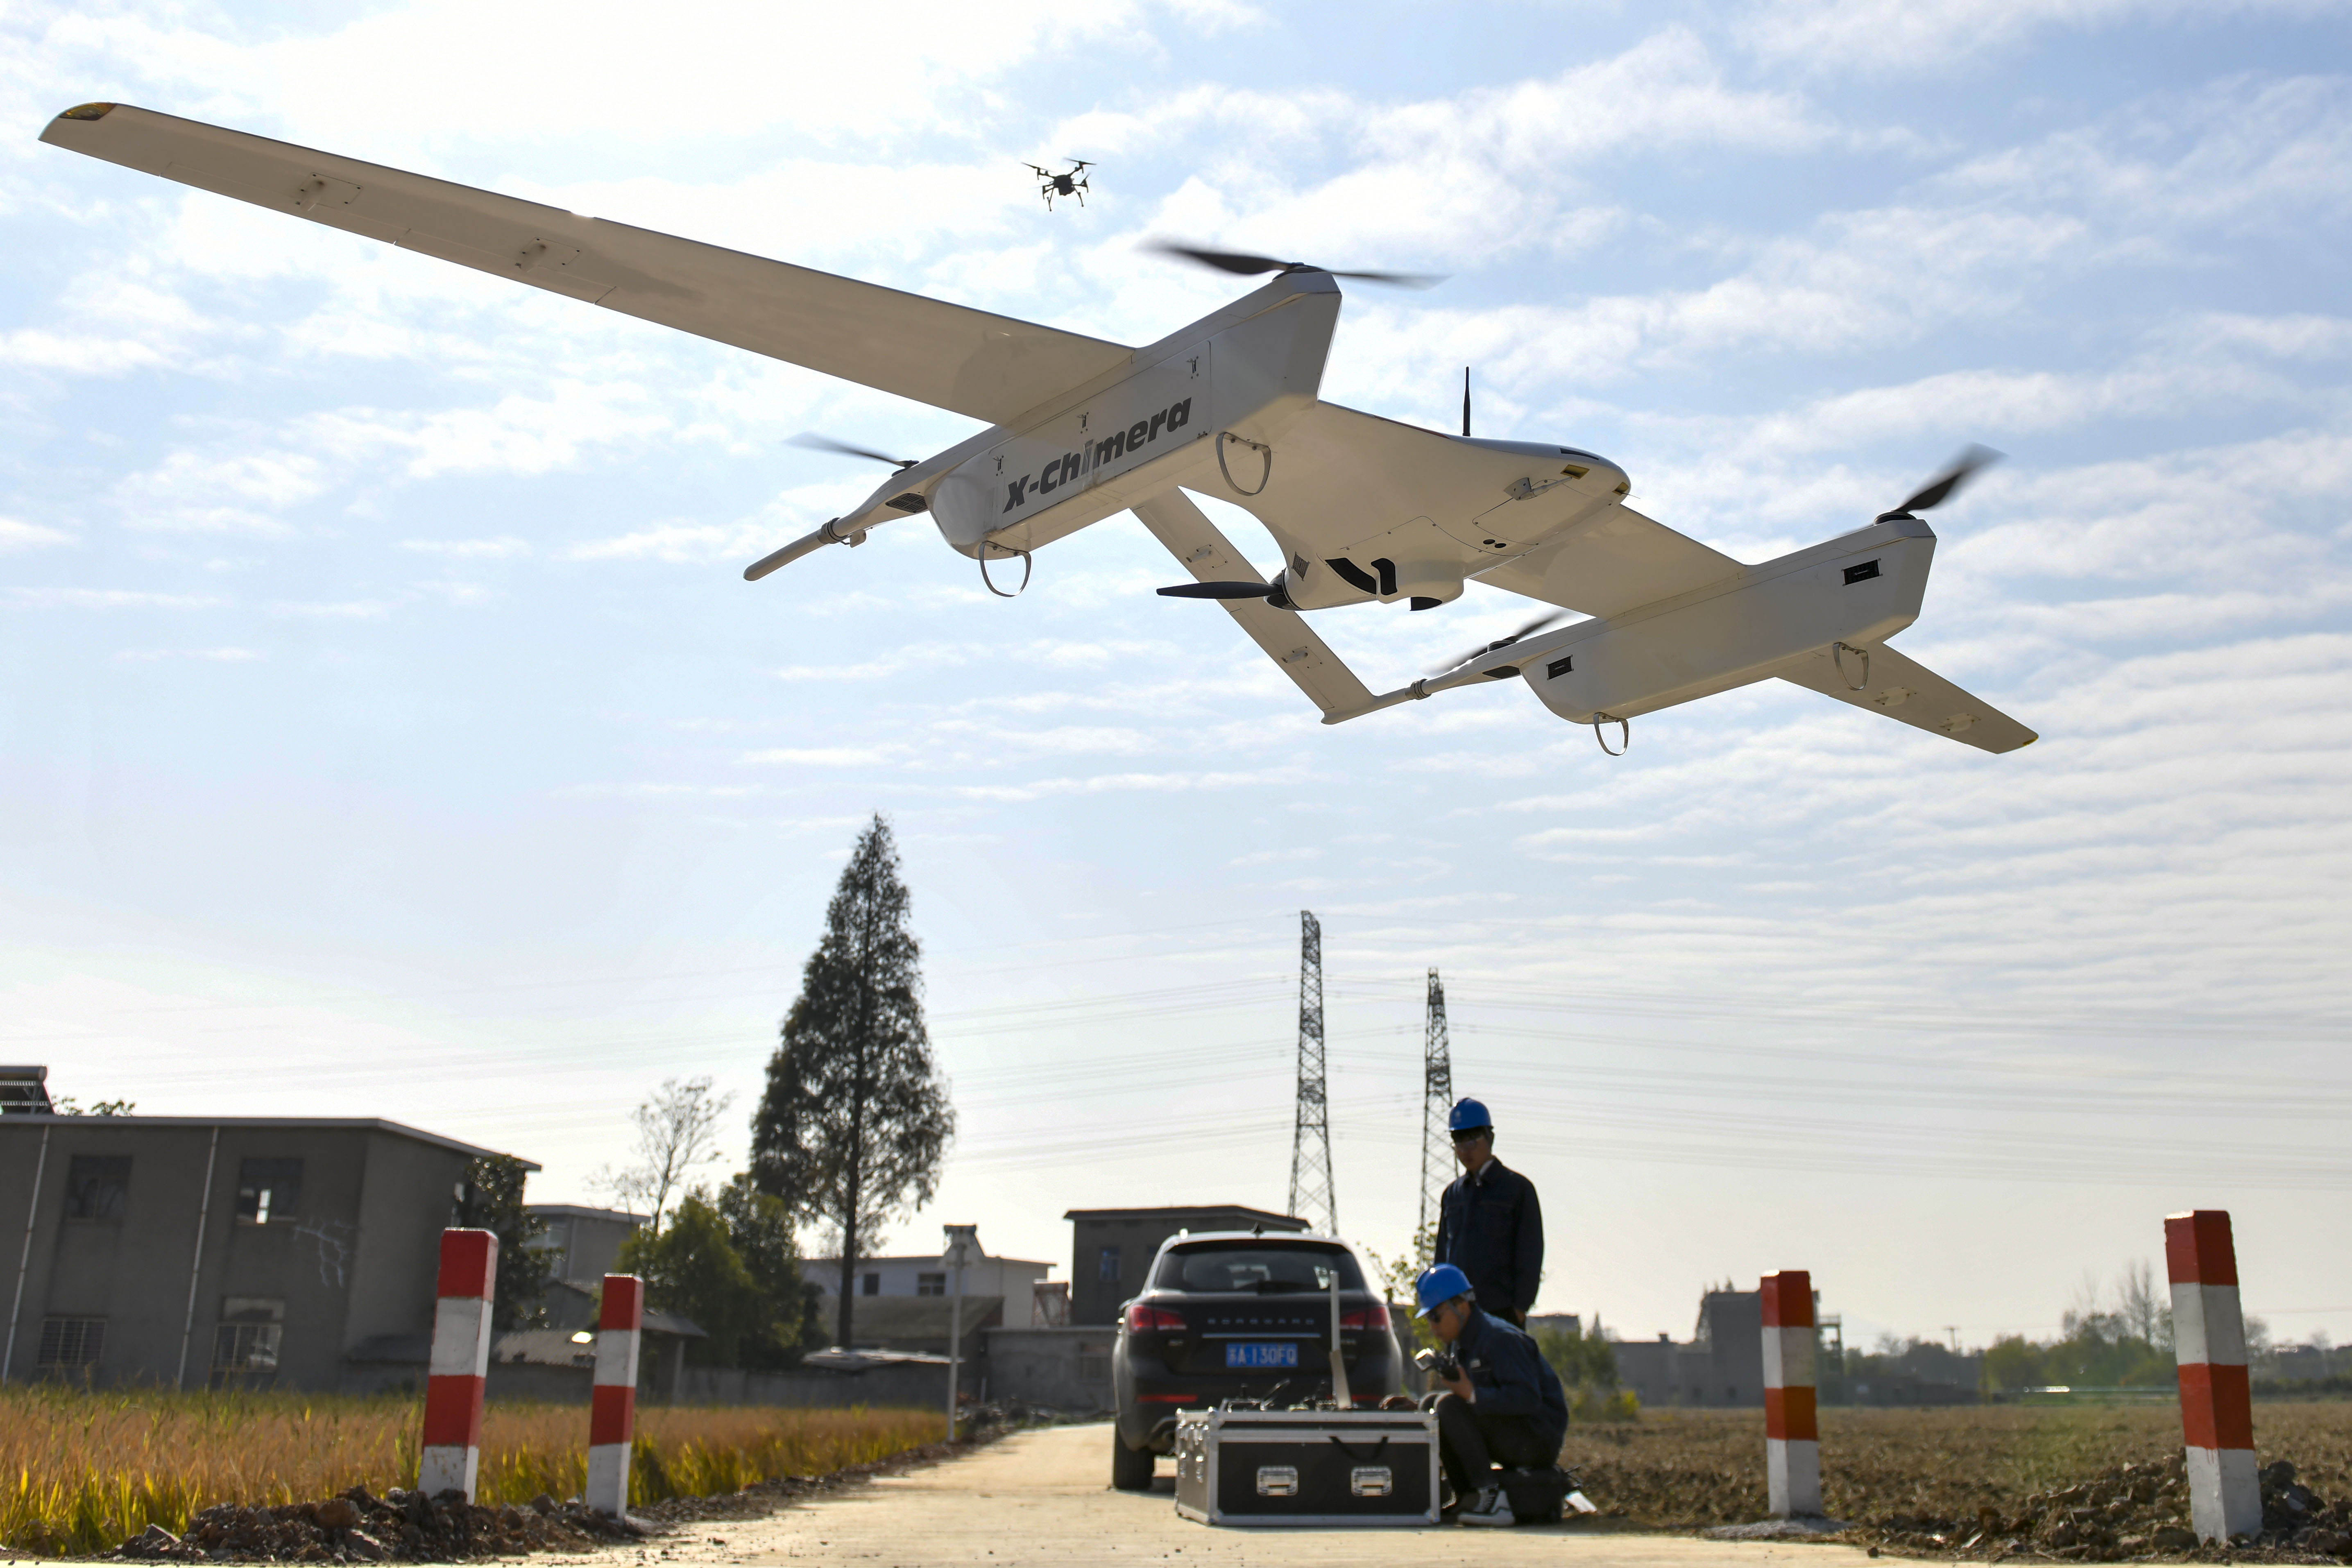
1539,623
1942,488
1250,265
815,442
1221,591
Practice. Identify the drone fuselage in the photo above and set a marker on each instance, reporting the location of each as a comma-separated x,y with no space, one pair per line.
1212,407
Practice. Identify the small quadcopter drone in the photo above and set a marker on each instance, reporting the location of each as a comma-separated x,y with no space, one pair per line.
1073,183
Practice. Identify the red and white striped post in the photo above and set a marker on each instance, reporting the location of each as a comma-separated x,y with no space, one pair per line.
1792,1433
461,1361
613,1410
2217,1409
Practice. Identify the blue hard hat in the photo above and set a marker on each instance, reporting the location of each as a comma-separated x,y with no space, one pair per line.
1438,1286
1466,1115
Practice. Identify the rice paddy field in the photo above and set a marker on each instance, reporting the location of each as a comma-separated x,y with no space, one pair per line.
1686,1468
80,1472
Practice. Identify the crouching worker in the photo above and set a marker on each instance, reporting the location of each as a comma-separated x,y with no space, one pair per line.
1502,1404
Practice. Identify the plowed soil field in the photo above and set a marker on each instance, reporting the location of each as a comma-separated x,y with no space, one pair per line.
1683,1468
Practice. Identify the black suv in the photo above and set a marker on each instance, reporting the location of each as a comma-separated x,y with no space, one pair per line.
1240,1314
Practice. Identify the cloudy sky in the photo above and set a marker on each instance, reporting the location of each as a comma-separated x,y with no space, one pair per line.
388,730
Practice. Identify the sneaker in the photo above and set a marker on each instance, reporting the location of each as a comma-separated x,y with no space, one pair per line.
1488,1506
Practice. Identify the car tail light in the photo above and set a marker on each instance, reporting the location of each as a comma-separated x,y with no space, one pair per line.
1365,1317
1143,1320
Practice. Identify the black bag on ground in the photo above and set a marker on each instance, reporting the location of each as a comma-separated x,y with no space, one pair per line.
1537,1497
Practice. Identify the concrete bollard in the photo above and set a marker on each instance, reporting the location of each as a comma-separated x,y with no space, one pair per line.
461,1360
613,1410
1792,1433
2217,1410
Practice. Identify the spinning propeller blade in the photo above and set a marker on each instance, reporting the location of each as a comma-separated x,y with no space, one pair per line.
1539,623
1249,265
1940,488
1219,591
817,443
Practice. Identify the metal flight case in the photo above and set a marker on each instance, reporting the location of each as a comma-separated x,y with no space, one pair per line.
1306,1467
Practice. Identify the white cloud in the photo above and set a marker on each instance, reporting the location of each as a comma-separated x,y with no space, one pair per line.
822,756
687,543
388,85
110,599
1449,179
332,609
200,655
505,547
1924,36
222,493
81,353
19,535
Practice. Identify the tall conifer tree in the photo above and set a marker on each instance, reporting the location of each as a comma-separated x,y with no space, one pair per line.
855,1119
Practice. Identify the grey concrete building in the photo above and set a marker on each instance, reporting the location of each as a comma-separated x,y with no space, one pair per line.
1110,1248
580,1244
1721,1368
291,1252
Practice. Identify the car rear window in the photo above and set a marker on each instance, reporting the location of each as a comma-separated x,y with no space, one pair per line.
1268,1269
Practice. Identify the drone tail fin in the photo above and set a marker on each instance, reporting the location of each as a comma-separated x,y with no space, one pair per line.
1881,680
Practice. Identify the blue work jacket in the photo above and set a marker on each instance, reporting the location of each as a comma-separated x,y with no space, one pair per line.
1511,1377
1491,1227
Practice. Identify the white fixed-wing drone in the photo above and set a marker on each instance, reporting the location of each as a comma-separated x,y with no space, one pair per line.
1364,508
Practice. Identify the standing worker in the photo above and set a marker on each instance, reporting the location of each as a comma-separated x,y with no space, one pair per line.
1489,1224
1503,1403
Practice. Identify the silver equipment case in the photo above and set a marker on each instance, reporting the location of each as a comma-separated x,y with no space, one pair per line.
1306,1467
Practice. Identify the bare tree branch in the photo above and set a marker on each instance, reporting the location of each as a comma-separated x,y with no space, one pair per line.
675,1133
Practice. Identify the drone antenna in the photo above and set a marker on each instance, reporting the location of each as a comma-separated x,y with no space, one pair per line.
1466,400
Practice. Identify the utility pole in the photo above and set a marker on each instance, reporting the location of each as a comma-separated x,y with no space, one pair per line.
962,1245
1436,1102
1310,1145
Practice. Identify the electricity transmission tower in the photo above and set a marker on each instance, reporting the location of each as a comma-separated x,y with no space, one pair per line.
1311,1194
1436,1100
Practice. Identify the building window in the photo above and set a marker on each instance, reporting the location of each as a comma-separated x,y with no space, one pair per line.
1109,1265
931,1284
872,1286
267,1190
246,1342
98,1186
72,1341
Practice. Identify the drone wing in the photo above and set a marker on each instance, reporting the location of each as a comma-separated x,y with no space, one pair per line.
1199,544
1336,468
986,367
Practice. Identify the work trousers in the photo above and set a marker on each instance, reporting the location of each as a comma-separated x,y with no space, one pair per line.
1470,1443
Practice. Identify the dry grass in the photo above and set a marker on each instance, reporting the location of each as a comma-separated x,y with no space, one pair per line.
79,1472
1681,1468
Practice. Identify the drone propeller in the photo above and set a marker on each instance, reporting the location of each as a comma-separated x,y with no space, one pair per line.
1221,591
815,442
1942,487
1539,623
1250,265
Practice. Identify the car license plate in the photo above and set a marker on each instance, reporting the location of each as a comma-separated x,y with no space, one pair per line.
1256,1356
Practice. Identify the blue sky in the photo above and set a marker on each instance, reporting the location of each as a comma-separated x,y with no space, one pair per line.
388,729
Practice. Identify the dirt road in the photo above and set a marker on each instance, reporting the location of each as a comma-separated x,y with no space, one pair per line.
1044,1498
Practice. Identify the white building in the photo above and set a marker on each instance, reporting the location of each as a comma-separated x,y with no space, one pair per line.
1013,1279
